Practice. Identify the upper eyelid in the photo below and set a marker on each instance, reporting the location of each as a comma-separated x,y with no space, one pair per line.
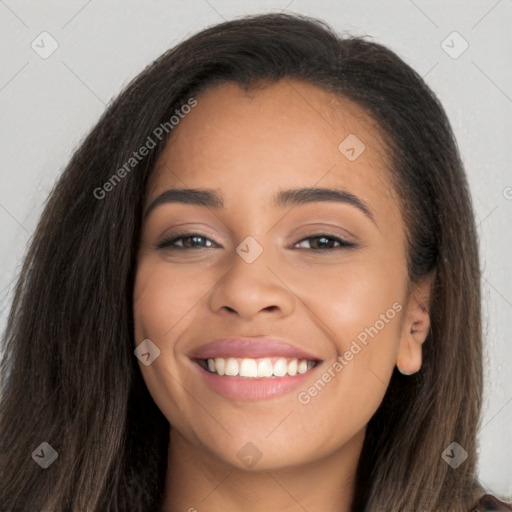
178,236
313,229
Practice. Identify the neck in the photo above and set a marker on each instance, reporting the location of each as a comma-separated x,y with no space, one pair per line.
198,482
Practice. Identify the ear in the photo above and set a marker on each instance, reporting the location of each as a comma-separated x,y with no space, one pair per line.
415,326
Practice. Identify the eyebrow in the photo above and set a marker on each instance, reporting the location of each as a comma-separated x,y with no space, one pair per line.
213,199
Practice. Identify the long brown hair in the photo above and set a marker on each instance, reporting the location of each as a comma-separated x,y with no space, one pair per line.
69,375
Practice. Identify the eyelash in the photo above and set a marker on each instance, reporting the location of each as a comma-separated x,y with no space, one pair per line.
167,244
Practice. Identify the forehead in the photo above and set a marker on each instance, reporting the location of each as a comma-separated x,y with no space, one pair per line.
279,136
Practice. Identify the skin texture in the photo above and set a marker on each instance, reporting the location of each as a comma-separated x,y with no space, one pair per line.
247,146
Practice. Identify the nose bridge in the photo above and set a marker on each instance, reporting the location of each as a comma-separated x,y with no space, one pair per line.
250,264
250,285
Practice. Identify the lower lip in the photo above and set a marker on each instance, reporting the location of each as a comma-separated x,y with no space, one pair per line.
252,389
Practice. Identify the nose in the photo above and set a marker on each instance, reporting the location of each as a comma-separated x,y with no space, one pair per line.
250,289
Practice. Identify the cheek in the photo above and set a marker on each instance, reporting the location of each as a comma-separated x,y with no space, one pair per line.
369,316
163,297
347,300
160,302
359,308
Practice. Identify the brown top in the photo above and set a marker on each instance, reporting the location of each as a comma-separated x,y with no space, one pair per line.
489,503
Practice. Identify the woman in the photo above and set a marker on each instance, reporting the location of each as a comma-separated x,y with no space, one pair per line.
247,290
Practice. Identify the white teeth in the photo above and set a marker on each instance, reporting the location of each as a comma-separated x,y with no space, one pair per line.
280,367
302,367
220,365
232,367
248,368
259,368
292,367
265,368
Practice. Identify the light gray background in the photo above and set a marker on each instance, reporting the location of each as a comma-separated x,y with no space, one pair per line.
48,105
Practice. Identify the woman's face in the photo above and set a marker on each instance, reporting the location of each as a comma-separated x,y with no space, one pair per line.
311,277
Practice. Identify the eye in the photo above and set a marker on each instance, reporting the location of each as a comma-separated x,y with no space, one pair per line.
324,242
188,241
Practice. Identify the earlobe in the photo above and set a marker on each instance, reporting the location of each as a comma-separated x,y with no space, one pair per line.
416,326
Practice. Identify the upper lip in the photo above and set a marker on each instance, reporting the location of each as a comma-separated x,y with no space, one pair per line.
256,347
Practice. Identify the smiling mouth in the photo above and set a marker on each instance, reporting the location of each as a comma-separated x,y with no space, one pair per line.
257,368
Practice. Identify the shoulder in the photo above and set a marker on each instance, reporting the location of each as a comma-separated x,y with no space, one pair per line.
490,503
